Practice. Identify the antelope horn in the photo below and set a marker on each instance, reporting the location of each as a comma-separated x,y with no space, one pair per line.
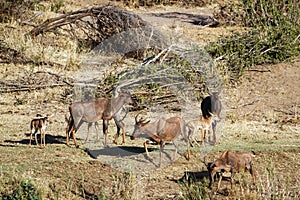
117,91
136,120
208,91
141,120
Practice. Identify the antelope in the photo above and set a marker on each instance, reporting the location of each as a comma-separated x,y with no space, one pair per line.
231,162
204,124
68,120
162,131
97,109
212,105
39,123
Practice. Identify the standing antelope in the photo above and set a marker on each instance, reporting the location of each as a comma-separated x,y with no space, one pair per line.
99,109
70,122
39,123
212,105
204,124
162,131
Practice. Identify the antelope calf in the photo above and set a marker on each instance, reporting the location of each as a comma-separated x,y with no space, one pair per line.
39,123
230,162
204,124
160,132
212,105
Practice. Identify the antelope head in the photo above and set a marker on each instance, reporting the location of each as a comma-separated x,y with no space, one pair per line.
139,123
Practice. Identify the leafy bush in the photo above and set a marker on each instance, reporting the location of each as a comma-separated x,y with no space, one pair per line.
274,36
269,13
25,190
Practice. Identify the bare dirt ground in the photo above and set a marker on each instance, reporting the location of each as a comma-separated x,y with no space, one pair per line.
261,114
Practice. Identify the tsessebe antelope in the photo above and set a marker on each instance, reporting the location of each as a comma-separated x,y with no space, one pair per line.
231,162
162,131
97,109
39,123
72,129
212,104
204,124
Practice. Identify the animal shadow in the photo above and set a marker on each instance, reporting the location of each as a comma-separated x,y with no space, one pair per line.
119,151
190,177
50,139
194,19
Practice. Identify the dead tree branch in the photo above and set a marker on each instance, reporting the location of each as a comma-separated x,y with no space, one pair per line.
93,25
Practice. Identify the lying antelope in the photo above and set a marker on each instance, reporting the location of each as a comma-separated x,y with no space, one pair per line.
212,105
39,123
160,132
230,162
97,109
204,124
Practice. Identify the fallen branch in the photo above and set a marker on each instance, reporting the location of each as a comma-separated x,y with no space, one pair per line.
288,112
246,104
29,21
30,88
258,70
165,51
59,77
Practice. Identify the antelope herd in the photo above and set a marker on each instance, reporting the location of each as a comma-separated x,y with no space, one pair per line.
160,132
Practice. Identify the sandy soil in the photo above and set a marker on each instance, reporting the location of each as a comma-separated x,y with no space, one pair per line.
267,98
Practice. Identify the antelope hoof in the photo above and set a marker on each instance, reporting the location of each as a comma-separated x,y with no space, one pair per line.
105,144
188,157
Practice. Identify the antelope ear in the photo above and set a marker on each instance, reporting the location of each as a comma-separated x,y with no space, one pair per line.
204,162
228,167
212,114
117,91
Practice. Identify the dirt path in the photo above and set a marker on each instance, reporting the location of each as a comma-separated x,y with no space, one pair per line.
268,94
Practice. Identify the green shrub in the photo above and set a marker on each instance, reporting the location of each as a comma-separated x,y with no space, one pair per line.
268,13
24,190
274,36
56,5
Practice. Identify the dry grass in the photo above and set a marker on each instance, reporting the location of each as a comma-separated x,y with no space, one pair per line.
61,172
